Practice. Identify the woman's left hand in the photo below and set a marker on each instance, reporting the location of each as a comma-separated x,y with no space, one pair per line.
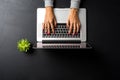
73,22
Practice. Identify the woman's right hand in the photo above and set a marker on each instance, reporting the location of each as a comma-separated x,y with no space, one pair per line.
49,20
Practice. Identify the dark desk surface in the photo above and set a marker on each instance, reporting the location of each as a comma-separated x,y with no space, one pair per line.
18,20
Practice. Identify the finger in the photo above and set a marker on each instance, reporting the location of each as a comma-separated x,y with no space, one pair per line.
52,27
78,28
74,29
70,28
55,22
45,28
48,28
68,23
79,25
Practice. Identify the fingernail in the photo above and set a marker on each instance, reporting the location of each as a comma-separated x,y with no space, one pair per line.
48,33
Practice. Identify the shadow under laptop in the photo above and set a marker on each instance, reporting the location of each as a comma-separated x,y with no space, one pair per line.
69,51
75,62
68,54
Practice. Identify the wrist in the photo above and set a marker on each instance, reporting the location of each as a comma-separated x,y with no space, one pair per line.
74,10
49,9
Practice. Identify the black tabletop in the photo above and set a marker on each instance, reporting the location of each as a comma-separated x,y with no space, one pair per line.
18,20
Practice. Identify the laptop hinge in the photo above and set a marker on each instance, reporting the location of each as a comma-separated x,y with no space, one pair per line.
61,41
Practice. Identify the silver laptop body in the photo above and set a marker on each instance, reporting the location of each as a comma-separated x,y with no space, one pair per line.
61,40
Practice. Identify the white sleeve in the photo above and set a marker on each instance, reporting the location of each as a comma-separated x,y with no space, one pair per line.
49,3
75,3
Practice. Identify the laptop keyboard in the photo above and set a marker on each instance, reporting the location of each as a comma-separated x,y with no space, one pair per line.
61,31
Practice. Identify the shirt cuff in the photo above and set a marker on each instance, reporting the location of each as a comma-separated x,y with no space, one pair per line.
75,3
48,3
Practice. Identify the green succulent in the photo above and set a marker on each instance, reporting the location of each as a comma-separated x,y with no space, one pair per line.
23,45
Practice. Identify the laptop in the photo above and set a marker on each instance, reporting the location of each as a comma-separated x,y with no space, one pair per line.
61,39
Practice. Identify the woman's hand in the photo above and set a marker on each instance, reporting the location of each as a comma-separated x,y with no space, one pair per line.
73,22
49,21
